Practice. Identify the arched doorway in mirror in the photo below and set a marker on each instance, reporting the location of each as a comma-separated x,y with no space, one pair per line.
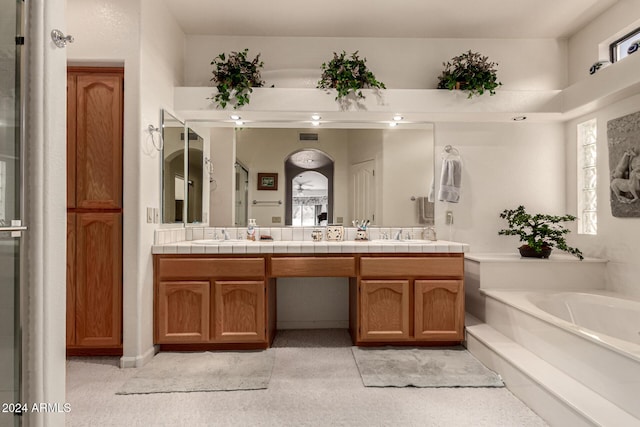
309,188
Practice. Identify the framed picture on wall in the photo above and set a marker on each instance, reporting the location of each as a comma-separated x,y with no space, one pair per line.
267,181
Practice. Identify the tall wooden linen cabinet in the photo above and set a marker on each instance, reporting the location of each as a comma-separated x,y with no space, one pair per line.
94,210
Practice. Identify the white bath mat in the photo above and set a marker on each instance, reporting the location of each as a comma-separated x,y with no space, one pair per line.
422,367
207,371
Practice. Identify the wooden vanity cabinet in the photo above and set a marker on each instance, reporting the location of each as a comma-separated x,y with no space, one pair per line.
204,300
411,299
228,302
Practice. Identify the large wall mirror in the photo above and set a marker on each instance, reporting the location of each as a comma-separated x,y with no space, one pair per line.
336,175
185,179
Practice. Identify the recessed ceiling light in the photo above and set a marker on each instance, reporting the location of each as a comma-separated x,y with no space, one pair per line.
234,117
397,117
316,117
239,122
315,123
519,118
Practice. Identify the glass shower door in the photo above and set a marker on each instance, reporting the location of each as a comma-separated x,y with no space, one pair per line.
11,227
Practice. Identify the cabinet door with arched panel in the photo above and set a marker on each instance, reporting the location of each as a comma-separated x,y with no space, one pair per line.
239,311
385,310
439,310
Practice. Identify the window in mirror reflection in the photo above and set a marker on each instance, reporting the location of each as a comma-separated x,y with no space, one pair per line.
310,199
309,182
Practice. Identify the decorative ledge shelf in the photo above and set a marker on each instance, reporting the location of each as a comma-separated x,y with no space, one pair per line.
292,106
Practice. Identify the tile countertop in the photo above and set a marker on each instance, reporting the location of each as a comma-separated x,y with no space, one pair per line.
306,247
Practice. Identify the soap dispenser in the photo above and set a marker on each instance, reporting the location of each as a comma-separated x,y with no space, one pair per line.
251,230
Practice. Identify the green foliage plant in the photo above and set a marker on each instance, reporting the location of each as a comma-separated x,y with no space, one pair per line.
235,78
538,231
348,74
471,72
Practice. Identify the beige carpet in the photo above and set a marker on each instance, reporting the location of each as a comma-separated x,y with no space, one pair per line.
208,371
422,367
311,385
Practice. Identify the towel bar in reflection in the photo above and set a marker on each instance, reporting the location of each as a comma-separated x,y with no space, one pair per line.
267,202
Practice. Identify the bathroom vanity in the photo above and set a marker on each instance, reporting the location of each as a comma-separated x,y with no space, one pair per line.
223,295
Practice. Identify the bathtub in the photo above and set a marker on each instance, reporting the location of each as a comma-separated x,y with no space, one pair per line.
608,319
592,336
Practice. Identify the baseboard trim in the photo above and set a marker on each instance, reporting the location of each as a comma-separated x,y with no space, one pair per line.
140,360
313,324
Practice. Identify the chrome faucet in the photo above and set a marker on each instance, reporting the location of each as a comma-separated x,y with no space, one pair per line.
398,235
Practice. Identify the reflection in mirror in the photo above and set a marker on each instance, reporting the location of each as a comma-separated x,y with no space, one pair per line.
195,184
382,175
309,193
242,194
172,169
310,199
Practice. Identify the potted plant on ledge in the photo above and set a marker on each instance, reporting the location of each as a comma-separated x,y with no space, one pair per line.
235,78
348,75
470,71
539,232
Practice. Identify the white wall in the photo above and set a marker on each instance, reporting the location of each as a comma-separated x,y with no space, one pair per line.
617,238
161,53
504,165
592,42
399,63
143,37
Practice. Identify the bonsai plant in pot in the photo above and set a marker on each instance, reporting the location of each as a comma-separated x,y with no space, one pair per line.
539,232
470,71
348,74
235,77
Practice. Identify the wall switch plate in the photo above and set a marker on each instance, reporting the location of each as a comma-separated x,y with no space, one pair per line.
156,215
276,220
449,219
149,215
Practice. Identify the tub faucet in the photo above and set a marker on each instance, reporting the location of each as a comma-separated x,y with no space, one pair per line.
225,234
398,235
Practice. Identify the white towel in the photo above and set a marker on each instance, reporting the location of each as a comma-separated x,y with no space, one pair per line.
450,180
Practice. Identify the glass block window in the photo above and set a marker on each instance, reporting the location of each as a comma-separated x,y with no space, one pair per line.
623,46
587,177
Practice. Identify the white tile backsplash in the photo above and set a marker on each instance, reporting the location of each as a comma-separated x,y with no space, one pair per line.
198,233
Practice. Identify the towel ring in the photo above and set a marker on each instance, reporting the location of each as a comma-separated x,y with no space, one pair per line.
152,130
449,149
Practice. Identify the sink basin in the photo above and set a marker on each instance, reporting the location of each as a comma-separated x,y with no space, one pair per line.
206,242
215,241
394,242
